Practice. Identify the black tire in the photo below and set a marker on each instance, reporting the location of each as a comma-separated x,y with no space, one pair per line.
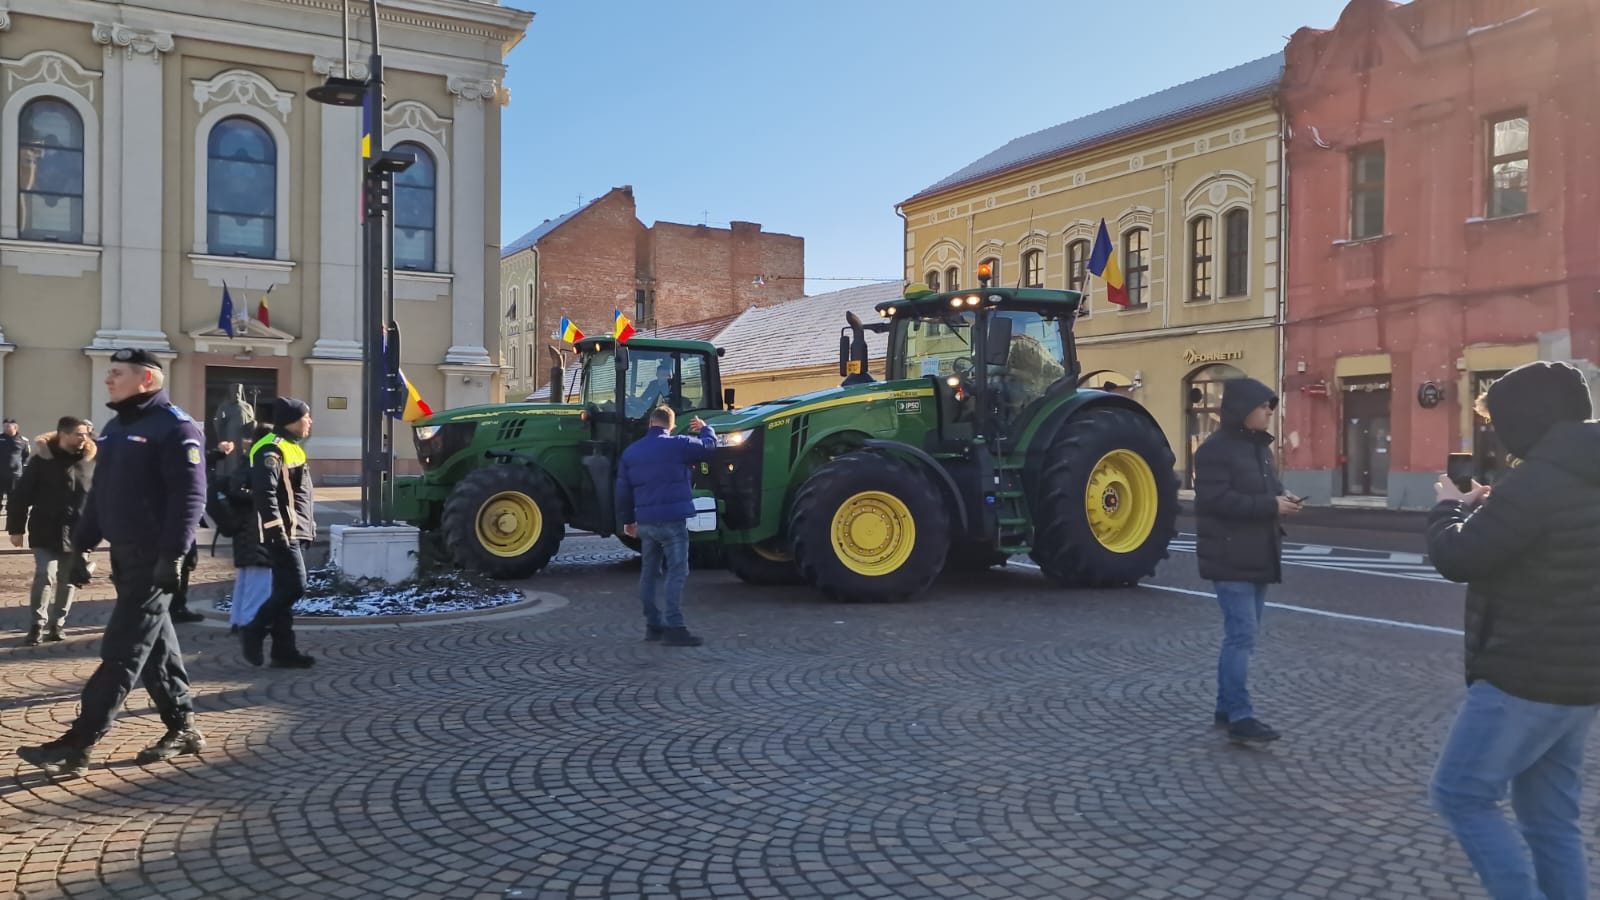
761,566
1065,545
513,486
822,497
970,558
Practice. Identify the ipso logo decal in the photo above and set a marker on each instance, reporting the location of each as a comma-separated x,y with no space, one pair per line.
908,407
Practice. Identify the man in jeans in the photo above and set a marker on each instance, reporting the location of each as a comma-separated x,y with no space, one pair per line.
46,506
1238,501
1529,553
655,500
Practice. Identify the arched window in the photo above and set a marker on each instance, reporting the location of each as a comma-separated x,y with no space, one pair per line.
241,190
511,310
1203,407
1136,256
50,172
1033,269
416,194
931,279
1077,264
1236,231
1201,248
952,279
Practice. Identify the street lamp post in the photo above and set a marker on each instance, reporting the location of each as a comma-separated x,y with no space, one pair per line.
379,167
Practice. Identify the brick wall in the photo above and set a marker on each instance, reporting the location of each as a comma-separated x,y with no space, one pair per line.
700,272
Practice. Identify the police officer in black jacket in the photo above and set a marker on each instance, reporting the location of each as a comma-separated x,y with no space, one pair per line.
148,496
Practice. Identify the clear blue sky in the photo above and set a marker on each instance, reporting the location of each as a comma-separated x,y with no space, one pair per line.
815,117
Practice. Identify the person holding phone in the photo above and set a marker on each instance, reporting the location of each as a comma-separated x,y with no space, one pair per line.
1238,503
1529,552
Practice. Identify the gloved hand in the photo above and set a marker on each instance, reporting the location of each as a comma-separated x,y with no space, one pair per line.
168,575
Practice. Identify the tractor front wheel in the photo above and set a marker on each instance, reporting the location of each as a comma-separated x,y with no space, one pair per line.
504,521
761,565
870,528
1108,500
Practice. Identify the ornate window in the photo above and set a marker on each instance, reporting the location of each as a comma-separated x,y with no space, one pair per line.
1077,264
416,193
241,190
50,172
1236,236
1201,248
952,279
1033,269
1136,253
1508,165
931,279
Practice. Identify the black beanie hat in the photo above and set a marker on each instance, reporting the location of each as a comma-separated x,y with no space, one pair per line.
1529,399
287,411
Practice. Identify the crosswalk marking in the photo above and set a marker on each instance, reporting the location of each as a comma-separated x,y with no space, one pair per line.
1409,566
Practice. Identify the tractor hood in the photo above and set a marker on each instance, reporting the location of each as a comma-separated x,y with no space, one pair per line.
496,410
770,412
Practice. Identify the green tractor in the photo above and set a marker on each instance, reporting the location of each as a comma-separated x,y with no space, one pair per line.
979,446
500,483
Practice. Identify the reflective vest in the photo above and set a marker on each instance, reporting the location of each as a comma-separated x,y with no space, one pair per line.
294,455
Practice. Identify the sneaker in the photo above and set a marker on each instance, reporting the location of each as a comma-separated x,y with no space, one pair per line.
251,644
293,661
186,617
54,635
1219,720
680,637
1251,731
653,632
32,640
57,757
176,742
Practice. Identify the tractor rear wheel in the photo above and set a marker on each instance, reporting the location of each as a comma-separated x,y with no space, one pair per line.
1107,500
869,528
761,565
504,521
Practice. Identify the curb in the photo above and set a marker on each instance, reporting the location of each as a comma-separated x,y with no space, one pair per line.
532,603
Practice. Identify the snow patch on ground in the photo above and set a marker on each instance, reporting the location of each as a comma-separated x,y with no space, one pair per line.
326,596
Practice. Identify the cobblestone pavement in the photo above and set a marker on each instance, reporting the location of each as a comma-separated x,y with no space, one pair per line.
996,740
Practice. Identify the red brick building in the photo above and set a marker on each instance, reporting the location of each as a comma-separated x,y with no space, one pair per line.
1443,226
600,257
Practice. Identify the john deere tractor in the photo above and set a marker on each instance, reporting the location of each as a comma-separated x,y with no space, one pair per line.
501,483
979,446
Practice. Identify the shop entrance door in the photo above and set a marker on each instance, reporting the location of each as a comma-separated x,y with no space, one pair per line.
1203,413
1366,437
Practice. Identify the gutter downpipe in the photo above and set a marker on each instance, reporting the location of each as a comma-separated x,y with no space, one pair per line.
1283,268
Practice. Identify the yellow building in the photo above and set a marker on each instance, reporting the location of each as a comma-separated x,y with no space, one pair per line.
1188,183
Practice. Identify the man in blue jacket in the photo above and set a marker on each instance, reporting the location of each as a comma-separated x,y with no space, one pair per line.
148,495
655,500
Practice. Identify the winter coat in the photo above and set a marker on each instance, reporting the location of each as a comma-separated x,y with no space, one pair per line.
280,487
655,477
13,456
1530,556
1236,490
49,498
150,484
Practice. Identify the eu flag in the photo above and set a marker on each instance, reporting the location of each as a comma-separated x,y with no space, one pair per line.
225,319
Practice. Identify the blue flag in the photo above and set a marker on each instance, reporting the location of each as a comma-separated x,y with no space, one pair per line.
225,320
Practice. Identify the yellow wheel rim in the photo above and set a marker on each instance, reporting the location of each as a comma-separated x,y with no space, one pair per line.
1121,501
509,524
873,533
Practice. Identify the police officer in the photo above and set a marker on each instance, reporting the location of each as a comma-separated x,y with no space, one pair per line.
280,487
148,495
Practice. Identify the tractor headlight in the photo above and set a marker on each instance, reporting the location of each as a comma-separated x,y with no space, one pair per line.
735,438
426,432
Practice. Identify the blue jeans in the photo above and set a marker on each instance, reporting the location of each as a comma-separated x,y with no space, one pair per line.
1243,603
665,546
1535,749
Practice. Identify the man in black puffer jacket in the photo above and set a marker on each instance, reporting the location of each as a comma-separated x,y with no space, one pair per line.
45,505
1238,500
1529,552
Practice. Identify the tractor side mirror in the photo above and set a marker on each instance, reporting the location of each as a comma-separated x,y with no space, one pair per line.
997,348
727,399
620,358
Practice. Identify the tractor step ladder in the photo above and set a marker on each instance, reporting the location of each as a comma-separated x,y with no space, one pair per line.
1016,532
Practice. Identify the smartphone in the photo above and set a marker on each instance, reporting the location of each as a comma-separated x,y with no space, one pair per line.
1461,469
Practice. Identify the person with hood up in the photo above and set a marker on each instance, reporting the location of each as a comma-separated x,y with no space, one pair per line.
45,506
13,456
1529,552
280,488
1238,502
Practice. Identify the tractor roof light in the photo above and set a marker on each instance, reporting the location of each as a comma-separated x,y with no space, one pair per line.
891,310
955,302
953,381
985,272
972,299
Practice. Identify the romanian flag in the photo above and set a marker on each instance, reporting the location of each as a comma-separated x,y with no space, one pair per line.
621,327
1103,265
415,407
569,331
264,315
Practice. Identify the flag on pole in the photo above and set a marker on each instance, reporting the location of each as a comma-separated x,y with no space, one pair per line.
569,331
264,315
621,327
225,318
1103,265
415,407
405,401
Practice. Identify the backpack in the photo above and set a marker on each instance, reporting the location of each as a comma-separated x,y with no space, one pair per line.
228,502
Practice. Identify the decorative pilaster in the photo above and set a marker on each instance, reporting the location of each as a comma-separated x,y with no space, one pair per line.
468,250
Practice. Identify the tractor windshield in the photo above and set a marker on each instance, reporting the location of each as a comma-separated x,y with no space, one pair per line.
654,378
1036,360
932,344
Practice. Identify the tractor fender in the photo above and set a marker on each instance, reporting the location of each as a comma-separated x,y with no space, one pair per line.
1081,400
938,472
512,457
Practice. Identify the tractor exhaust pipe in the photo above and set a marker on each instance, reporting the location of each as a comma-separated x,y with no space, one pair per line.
853,351
558,373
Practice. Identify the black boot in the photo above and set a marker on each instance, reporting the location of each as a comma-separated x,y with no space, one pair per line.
250,644
653,632
181,739
58,757
54,635
292,660
680,637
1251,731
32,640
183,616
